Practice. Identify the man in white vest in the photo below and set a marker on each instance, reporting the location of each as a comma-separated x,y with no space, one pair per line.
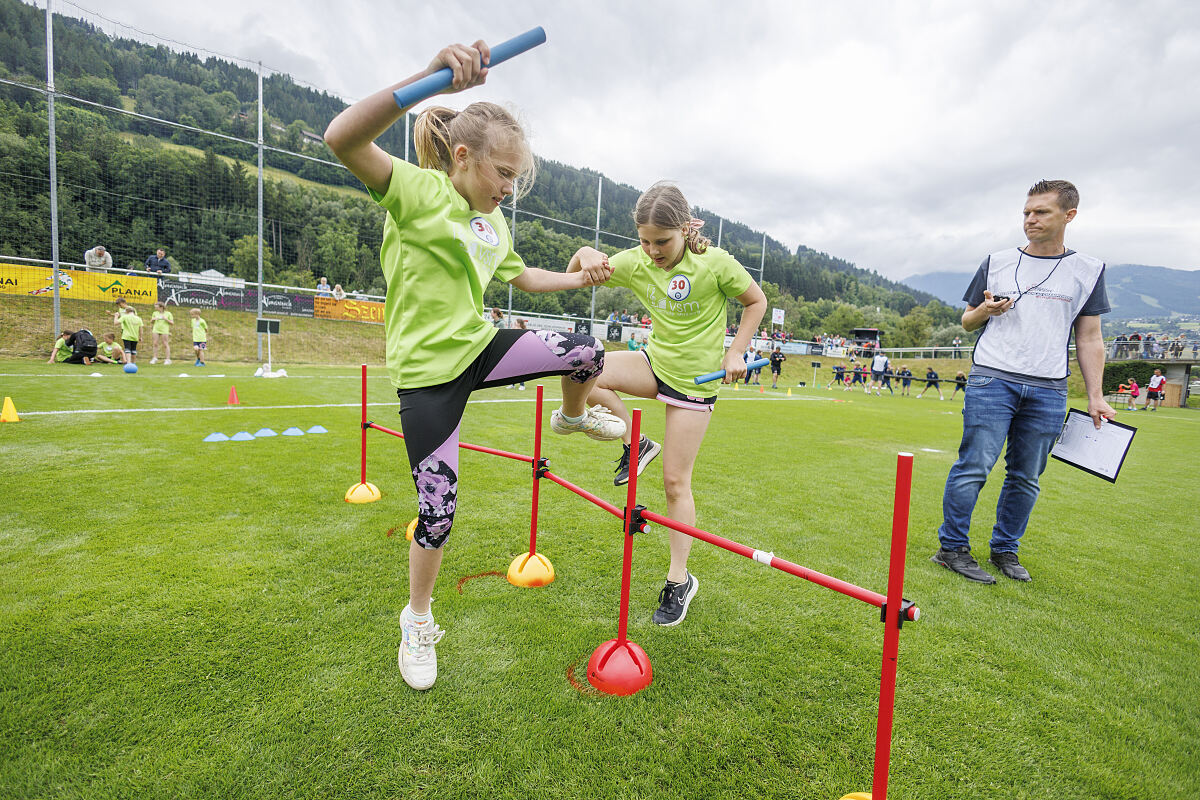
1027,300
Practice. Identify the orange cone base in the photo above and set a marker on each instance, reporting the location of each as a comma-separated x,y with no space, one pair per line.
362,493
857,796
530,570
619,669
411,529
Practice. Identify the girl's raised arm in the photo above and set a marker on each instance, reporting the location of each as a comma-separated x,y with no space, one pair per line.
352,134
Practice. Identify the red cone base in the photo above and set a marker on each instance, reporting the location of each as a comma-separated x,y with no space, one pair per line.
619,669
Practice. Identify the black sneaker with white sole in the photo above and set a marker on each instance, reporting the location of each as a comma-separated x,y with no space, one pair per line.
673,601
647,450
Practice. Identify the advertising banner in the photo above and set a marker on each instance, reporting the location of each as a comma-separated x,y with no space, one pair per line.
201,295
356,310
75,284
776,316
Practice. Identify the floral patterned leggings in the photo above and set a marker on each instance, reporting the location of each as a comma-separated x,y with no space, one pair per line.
431,416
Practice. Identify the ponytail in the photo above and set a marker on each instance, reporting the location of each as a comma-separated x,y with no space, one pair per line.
431,138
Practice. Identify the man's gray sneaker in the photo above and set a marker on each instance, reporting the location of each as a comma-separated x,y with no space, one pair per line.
959,560
1010,566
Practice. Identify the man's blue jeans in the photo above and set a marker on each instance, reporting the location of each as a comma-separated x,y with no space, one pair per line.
1030,418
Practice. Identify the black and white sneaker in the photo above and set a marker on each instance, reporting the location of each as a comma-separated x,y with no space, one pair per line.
647,450
673,601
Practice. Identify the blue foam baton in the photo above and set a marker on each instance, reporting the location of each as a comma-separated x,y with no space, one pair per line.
430,85
716,376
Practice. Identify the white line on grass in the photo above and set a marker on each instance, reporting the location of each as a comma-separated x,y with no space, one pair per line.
164,410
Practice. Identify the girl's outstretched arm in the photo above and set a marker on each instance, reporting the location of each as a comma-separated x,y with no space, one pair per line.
352,134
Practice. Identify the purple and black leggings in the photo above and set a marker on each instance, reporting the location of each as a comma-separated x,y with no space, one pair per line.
431,416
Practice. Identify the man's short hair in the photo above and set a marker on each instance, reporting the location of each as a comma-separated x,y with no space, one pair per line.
1068,195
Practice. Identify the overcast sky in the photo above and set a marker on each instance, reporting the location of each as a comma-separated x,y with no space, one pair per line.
901,136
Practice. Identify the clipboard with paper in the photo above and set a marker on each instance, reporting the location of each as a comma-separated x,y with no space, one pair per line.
1100,452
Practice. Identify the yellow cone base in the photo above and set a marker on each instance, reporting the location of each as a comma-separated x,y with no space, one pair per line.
530,570
362,493
789,392
10,411
411,529
857,796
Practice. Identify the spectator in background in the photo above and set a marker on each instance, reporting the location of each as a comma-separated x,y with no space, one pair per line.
338,292
646,320
158,262
323,289
960,383
98,259
62,348
1154,391
636,342
160,330
777,359
497,319
931,382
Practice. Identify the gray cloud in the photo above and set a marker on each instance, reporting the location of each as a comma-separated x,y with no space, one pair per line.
898,136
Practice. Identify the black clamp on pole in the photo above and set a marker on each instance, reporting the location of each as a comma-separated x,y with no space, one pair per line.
637,523
540,468
905,605
367,424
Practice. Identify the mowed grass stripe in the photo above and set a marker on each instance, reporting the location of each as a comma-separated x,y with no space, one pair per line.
185,620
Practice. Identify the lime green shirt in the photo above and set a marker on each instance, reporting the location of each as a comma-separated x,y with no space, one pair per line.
438,255
61,350
199,330
687,305
106,348
131,327
163,320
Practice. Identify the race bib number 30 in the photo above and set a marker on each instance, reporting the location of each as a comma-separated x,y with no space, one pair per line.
679,287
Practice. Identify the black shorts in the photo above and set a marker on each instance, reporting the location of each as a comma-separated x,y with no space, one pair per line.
776,369
1150,394
130,345
675,398
430,415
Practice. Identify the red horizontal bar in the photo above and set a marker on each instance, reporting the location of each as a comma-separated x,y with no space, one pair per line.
463,445
848,589
586,495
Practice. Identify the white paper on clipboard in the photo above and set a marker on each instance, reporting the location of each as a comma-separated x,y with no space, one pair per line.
1100,452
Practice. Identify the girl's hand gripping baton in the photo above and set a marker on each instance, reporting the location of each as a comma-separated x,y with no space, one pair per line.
716,376
430,85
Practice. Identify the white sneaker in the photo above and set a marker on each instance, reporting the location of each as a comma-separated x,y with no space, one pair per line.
417,657
598,423
154,361
167,361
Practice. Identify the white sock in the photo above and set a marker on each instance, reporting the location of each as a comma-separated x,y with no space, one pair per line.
571,420
415,617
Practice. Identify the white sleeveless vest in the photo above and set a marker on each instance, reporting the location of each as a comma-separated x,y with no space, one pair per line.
1032,338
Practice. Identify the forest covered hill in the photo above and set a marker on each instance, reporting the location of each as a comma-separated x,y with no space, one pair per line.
135,184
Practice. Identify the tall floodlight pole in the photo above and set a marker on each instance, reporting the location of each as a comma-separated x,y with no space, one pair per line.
720,229
260,202
406,141
53,161
763,262
596,244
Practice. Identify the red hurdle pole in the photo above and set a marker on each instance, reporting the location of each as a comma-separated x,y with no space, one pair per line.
891,629
620,666
363,471
537,463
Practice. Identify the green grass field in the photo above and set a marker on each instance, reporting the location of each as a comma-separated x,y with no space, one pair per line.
188,619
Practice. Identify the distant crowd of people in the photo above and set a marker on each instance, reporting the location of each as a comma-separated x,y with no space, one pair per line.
1149,346
81,346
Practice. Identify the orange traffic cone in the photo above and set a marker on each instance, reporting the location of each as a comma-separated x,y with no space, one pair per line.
760,390
233,398
9,414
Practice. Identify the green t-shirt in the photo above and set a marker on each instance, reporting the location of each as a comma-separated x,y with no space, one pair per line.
438,255
163,320
199,330
131,327
62,351
687,305
106,348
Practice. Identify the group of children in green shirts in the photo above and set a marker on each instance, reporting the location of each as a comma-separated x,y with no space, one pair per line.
126,318
445,238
